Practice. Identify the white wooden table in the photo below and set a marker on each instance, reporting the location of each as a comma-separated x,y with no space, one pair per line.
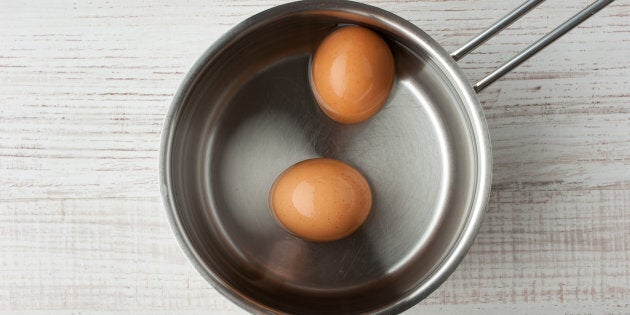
85,85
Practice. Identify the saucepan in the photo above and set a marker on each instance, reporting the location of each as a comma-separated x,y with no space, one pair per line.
245,112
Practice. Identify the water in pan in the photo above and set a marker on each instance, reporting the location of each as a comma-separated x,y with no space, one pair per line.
273,122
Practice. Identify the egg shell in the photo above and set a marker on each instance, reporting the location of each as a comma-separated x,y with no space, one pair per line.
352,74
321,199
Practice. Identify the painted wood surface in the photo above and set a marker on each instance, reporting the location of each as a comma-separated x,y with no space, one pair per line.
85,85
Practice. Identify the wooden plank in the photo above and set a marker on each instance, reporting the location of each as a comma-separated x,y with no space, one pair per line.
566,248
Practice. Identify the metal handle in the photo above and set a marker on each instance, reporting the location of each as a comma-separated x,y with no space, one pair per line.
532,49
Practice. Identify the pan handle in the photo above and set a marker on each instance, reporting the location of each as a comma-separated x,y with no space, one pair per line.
533,48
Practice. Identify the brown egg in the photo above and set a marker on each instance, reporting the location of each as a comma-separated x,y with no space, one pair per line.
352,74
321,199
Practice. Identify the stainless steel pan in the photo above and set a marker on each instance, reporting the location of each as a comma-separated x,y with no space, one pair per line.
245,112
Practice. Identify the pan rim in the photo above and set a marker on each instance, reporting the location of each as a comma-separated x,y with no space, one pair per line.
446,64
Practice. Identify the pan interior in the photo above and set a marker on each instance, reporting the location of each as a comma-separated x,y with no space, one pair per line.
250,114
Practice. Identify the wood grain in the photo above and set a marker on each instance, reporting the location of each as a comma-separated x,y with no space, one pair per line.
84,87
